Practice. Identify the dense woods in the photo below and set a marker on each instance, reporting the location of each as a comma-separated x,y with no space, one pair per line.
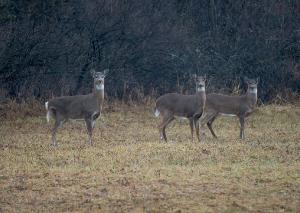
47,48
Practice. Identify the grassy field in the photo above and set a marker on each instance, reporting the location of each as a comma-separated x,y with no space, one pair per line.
129,170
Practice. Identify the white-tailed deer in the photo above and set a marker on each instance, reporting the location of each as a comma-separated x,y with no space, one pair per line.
173,105
240,106
86,107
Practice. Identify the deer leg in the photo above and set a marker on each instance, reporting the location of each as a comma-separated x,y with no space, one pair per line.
58,123
62,123
164,119
162,127
200,126
192,127
242,122
201,121
196,118
206,116
89,127
196,123
209,125
54,130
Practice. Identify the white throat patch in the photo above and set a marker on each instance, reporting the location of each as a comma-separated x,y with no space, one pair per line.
253,91
201,89
100,87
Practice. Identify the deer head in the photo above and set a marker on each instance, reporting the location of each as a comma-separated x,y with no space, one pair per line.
252,85
200,83
99,79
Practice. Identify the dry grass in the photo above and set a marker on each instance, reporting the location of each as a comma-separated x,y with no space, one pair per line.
129,170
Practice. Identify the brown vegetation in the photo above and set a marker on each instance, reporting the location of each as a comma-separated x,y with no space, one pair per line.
129,170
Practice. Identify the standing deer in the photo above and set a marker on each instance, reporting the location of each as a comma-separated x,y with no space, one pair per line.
240,106
86,107
173,105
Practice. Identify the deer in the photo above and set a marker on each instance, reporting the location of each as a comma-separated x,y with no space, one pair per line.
172,105
226,105
79,107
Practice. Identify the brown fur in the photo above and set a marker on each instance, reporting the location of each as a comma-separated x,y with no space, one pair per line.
240,106
189,106
86,107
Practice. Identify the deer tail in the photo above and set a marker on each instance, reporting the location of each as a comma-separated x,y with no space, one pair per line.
156,112
48,114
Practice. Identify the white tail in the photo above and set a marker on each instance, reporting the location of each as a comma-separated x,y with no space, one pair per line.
156,113
173,105
48,114
46,105
240,106
86,107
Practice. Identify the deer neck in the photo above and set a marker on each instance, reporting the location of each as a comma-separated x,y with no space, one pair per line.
200,90
98,92
252,97
200,94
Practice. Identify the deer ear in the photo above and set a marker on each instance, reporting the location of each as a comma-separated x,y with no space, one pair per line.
194,76
246,79
205,77
93,72
106,72
257,80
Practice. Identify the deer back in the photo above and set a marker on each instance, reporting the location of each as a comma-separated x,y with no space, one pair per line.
180,105
75,107
227,104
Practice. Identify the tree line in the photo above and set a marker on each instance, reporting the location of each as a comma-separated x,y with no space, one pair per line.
47,48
